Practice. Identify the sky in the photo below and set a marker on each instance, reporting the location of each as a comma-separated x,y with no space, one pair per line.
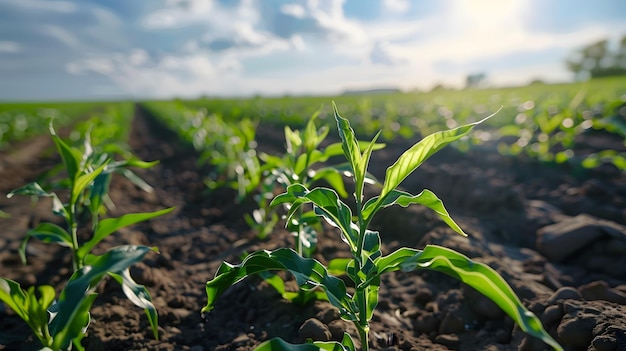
97,49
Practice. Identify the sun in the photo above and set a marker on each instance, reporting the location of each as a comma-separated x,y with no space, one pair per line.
488,14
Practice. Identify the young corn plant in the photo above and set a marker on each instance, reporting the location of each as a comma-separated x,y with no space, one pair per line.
87,181
368,262
62,323
299,165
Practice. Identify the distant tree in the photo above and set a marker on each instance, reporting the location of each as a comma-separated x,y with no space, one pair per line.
597,60
475,80
537,81
439,87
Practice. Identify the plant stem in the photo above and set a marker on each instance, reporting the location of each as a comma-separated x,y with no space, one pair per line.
361,296
363,334
363,324
76,264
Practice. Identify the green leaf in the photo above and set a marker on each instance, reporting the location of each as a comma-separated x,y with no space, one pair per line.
12,294
98,191
308,272
71,157
293,140
299,297
109,225
312,135
48,233
333,178
29,307
327,205
74,330
83,181
337,213
349,144
352,152
293,192
475,274
140,297
336,149
426,198
135,162
278,344
30,189
135,179
418,153
331,150
301,164
360,176
339,266
34,189
38,310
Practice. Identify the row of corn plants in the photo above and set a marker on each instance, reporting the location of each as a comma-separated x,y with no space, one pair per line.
306,203
368,263
19,121
539,121
79,193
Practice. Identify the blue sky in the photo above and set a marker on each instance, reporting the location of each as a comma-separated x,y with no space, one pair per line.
97,49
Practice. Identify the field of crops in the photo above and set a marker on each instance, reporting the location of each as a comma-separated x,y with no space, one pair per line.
285,190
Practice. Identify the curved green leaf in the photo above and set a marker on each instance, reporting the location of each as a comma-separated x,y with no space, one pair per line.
333,178
48,233
475,274
135,162
12,294
71,157
98,191
339,266
29,307
83,181
426,198
418,153
38,310
140,297
308,272
109,225
32,189
75,329
349,144
337,213
278,344
327,204
352,151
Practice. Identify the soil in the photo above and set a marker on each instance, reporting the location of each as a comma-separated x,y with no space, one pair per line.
555,232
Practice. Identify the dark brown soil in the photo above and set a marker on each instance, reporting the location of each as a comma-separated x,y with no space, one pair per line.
512,209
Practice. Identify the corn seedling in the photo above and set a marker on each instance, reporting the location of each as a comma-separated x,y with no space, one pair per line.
302,154
61,323
368,263
87,181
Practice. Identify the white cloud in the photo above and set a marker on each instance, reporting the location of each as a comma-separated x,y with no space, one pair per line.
397,5
205,47
295,10
138,74
9,47
181,14
61,34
